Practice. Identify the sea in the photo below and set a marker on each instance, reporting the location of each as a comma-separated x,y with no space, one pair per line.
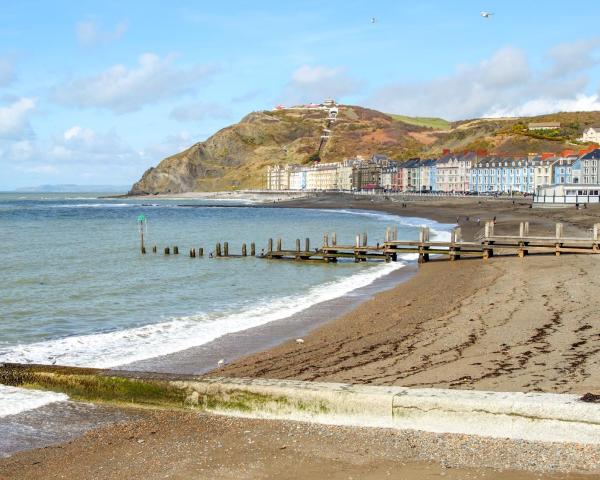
76,290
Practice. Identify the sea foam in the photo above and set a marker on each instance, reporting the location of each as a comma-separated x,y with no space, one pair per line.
16,400
109,349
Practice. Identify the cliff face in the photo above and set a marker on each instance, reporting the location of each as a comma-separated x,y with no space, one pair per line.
237,156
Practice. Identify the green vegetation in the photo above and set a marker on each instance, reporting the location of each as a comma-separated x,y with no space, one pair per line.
428,122
315,157
99,388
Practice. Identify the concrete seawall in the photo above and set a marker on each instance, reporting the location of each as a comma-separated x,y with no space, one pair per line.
528,416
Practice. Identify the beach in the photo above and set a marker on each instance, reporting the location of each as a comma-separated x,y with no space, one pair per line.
507,324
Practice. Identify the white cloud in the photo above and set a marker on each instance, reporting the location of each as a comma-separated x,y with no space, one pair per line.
199,111
122,89
503,85
90,33
14,118
573,56
7,71
315,83
84,144
539,106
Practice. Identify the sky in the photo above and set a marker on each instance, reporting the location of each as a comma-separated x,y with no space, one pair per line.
96,92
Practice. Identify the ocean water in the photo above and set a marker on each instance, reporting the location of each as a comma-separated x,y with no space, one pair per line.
75,290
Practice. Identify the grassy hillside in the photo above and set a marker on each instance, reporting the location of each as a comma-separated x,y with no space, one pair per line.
238,156
427,122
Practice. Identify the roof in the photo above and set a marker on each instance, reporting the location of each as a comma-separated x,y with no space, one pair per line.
593,155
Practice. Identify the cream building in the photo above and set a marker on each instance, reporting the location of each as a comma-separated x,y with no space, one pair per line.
278,177
542,172
322,177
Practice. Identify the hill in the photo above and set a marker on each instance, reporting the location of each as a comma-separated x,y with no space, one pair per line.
237,156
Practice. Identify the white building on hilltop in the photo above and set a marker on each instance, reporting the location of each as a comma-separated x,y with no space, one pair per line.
591,134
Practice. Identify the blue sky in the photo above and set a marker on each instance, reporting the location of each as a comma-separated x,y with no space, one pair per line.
96,92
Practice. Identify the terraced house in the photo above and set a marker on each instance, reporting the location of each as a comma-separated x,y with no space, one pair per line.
590,168
453,172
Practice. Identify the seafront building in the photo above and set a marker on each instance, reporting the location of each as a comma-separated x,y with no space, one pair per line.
452,173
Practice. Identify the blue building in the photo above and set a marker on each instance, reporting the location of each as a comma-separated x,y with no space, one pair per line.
563,170
503,175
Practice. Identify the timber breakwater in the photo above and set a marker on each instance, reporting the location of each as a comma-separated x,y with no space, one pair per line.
524,416
485,245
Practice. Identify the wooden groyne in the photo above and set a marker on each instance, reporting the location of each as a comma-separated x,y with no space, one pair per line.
485,244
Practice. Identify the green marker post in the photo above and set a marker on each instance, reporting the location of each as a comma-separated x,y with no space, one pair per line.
142,220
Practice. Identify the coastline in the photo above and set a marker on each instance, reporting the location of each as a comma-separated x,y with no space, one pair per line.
495,325
234,346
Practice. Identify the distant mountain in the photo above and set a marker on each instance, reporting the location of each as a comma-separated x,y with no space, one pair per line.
72,188
238,156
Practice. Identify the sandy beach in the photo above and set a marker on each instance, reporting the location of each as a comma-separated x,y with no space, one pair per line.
506,324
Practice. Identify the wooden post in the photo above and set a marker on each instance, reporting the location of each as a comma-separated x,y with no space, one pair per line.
334,239
357,241
167,251
154,249
325,240
244,252
387,234
422,235
143,250
595,231
365,241
307,244
270,245
526,229
226,249
279,244
458,234
297,245
453,236
218,250
559,230
253,249
395,233
192,253
201,252
487,230
175,250
521,229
